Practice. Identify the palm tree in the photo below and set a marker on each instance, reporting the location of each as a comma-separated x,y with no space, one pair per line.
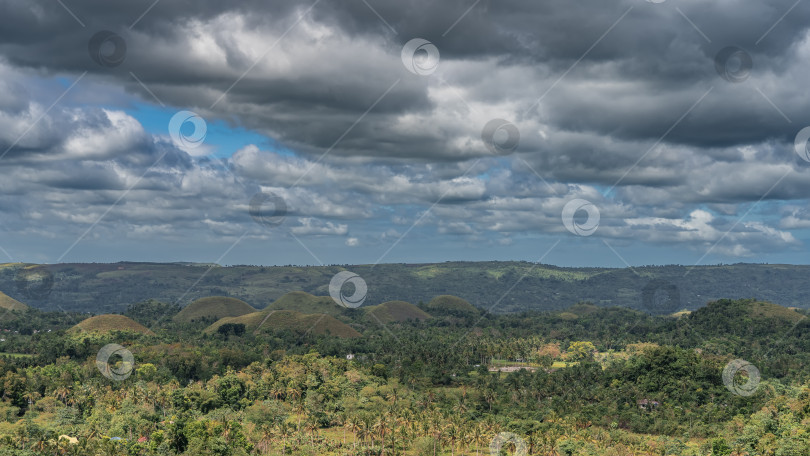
61,393
478,437
21,437
354,424
266,439
381,426
310,426
436,421
277,391
451,434
368,429
461,406
490,396
284,430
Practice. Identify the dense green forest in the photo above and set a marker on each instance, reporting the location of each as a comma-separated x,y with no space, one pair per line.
582,381
110,288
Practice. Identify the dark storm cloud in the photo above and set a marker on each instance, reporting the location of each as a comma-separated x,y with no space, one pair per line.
311,88
603,93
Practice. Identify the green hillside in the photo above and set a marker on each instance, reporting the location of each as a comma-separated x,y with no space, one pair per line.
215,307
743,318
110,322
515,285
395,311
274,320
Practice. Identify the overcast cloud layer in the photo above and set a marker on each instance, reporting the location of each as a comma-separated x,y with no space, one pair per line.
623,104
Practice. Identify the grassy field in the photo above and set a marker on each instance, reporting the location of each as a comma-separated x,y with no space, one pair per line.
17,355
507,363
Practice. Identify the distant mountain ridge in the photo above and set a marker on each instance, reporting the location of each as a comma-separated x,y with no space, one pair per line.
504,286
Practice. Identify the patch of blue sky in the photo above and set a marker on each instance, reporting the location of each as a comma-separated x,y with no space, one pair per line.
225,138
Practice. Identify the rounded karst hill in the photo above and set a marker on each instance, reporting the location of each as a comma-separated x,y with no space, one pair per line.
214,307
110,322
453,305
395,311
9,303
274,320
301,301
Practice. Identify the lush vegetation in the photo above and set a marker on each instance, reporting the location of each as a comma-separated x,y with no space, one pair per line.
594,381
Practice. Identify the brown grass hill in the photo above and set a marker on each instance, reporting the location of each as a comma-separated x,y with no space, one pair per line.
213,307
451,305
306,303
394,311
110,322
9,303
274,320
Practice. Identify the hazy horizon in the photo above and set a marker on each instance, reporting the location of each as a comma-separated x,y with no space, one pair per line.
412,263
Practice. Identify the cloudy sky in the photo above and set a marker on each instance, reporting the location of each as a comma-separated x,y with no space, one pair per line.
294,132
